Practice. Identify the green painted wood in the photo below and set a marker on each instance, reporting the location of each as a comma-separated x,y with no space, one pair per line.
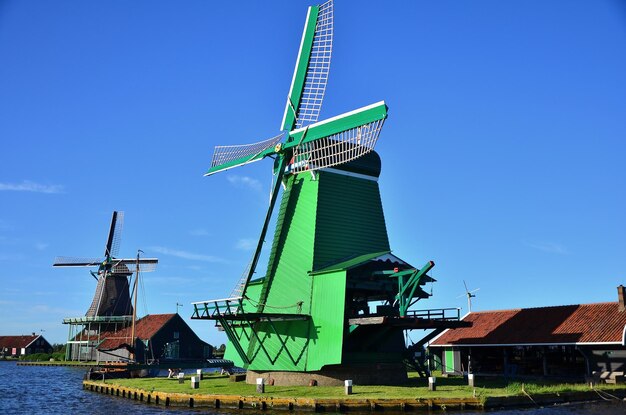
287,280
240,334
299,74
327,313
349,263
320,221
280,170
269,351
449,360
350,220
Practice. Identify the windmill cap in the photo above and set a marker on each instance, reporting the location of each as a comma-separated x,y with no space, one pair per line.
369,165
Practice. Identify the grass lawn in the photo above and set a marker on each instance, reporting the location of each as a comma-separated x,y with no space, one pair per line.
453,387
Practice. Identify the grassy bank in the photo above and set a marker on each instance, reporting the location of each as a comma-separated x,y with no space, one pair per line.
416,388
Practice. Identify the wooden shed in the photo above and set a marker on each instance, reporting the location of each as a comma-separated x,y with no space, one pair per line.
158,338
567,340
24,345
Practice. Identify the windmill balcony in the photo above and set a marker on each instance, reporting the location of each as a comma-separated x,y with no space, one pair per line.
214,309
438,314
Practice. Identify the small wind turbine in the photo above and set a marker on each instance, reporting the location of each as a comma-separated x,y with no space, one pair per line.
469,294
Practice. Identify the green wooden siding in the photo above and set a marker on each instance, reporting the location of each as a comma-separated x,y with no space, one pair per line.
350,219
319,221
253,291
272,354
327,312
448,360
287,281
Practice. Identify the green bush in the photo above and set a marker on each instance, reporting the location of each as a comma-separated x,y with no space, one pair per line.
36,357
43,357
59,357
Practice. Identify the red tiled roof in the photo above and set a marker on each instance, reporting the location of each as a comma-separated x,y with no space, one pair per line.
16,341
145,328
583,323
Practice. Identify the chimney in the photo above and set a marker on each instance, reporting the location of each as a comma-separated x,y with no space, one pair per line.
621,298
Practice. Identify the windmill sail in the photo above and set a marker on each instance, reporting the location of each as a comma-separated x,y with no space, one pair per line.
227,157
318,68
126,266
115,234
310,75
64,261
112,296
337,140
309,145
337,148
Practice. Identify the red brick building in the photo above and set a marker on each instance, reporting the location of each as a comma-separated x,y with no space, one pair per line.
569,340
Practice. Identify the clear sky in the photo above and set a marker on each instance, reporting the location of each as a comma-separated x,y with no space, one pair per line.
503,154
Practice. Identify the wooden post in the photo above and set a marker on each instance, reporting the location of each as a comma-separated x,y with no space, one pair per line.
195,382
348,387
432,383
260,385
132,335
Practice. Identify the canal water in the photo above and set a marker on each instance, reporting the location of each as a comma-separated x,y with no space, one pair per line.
58,390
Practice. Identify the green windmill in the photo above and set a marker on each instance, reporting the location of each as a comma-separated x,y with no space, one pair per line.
334,300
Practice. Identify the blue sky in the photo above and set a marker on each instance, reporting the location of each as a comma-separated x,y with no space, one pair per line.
503,154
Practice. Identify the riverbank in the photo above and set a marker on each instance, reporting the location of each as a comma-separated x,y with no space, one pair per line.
451,393
58,363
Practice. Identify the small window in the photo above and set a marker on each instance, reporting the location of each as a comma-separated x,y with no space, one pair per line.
176,334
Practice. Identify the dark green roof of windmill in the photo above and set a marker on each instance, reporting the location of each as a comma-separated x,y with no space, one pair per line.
369,165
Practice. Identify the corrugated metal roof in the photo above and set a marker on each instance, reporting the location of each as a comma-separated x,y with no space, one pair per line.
568,324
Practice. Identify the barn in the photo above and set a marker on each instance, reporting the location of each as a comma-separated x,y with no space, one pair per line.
159,338
16,346
557,341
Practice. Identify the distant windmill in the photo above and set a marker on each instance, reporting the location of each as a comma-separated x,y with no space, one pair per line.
112,296
469,294
112,307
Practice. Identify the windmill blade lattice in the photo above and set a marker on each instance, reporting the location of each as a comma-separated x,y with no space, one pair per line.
116,238
318,68
308,145
248,152
126,266
336,149
64,261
